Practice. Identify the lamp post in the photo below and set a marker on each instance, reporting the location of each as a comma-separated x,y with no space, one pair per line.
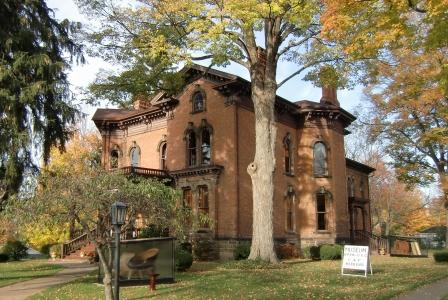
118,214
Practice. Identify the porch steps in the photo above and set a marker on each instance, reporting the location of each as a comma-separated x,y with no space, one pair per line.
86,250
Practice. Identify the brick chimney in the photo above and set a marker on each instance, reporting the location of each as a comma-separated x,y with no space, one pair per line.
329,95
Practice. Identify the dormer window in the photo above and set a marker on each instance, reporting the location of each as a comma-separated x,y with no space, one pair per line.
198,100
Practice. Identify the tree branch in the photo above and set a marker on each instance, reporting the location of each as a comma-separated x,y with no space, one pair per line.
304,68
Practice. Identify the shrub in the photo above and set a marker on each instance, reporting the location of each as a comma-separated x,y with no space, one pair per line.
203,249
312,252
3,257
328,252
15,250
56,249
153,230
45,249
187,247
241,251
287,251
441,256
184,259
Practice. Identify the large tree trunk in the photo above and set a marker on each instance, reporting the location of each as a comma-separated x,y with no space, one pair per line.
262,168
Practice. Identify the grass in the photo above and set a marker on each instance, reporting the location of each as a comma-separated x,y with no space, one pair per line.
291,280
17,271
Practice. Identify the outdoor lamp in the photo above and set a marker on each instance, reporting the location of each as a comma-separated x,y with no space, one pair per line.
118,213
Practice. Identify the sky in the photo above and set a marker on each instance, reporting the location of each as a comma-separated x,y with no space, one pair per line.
294,90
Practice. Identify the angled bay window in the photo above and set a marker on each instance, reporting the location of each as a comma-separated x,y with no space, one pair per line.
320,167
323,208
198,101
203,202
288,154
191,148
187,196
321,211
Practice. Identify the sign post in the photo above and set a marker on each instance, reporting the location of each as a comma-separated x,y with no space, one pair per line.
356,258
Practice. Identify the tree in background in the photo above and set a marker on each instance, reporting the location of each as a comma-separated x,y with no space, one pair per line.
82,152
35,108
407,42
254,34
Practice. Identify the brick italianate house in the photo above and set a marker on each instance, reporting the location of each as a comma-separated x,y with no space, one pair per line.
204,139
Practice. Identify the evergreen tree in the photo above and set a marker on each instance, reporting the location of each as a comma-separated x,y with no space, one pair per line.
35,106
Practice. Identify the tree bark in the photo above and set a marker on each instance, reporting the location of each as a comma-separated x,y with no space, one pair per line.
262,168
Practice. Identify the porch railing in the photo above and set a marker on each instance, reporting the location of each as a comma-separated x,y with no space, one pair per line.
375,243
147,172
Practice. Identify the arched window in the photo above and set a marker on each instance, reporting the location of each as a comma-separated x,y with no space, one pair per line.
135,156
320,159
163,147
198,102
288,154
205,146
191,149
322,211
113,159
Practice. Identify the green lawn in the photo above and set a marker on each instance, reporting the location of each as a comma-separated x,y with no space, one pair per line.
16,271
293,280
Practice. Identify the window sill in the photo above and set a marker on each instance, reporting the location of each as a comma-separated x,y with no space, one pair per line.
197,112
322,231
322,176
289,174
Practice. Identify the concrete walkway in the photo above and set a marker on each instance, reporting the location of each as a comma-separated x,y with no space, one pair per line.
433,291
73,269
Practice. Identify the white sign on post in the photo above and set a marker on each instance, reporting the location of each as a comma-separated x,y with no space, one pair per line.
356,258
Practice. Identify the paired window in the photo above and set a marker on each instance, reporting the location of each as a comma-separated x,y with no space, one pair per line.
287,146
205,147
198,101
191,149
135,156
163,148
202,203
321,211
199,145
320,160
